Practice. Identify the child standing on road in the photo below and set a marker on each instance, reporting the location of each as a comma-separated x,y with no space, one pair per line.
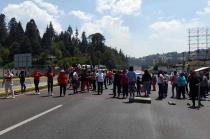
36,75
7,82
62,81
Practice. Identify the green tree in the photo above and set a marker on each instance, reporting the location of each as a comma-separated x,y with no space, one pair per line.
33,35
3,29
48,37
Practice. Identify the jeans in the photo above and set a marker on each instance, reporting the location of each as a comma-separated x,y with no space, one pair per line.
23,86
160,85
181,90
125,90
100,87
147,87
50,85
62,89
36,83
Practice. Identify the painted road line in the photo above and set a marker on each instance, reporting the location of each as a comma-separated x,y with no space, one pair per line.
28,120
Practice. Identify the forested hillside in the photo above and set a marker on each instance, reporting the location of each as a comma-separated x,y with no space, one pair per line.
53,48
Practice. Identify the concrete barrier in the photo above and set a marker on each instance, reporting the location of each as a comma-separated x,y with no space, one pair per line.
141,100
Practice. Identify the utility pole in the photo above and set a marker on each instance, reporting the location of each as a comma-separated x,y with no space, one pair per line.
183,62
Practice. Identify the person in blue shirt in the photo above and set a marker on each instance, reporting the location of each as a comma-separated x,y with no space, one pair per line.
181,83
131,81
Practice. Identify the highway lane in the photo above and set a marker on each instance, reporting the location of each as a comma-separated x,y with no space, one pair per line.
89,116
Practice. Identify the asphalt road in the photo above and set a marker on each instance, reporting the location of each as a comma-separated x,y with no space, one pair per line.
90,116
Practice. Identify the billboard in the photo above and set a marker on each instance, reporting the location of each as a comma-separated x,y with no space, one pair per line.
23,60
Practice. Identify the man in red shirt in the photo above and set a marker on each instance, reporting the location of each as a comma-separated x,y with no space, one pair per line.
62,81
124,83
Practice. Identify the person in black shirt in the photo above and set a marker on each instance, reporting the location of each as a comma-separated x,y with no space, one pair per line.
193,83
146,79
22,76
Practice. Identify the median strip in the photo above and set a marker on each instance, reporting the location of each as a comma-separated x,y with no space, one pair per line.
28,120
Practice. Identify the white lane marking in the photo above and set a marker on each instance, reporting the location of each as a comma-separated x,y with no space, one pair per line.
28,120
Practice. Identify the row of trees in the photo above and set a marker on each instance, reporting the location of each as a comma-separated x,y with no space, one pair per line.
53,48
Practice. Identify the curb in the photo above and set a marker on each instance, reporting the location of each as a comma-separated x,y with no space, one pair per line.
17,90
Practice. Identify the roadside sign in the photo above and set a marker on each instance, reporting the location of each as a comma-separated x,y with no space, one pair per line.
23,60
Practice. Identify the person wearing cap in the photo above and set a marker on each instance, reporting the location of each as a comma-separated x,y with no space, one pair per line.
7,83
62,81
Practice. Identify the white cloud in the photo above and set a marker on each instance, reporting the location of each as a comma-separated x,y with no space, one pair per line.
36,10
167,36
50,8
117,35
125,7
205,11
81,15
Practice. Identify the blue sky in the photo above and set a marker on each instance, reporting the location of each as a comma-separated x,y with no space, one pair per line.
138,27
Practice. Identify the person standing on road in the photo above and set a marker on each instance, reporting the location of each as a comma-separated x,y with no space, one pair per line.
100,81
146,79
154,82
181,83
50,74
62,81
173,84
124,83
84,80
131,82
93,80
116,84
75,82
203,85
22,76
193,83
105,79
36,75
8,84
165,85
160,85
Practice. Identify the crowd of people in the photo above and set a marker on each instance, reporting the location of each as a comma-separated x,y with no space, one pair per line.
126,83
